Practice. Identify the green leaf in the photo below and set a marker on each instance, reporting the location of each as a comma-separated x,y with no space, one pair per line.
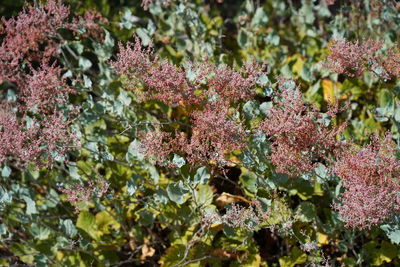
11,96
178,161
249,181
146,217
244,37
6,171
84,63
134,152
176,192
273,38
39,232
161,196
87,83
131,185
68,227
251,109
392,230
202,176
203,196
263,80
5,196
143,34
378,253
297,256
87,222
306,211
105,220
260,18
30,205
265,107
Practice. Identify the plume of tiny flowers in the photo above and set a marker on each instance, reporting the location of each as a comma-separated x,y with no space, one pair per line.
299,139
44,88
36,141
90,24
25,34
229,84
370,177
352,58
16,139
162,80
81,192
391,62
214,134
158,145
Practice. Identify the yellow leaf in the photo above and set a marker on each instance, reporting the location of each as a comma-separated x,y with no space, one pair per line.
329,89
322,239
105,220
147,251
226,198
298,65
59,255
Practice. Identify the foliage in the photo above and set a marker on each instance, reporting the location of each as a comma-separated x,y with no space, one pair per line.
199,133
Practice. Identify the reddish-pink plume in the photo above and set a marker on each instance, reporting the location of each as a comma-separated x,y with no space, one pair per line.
352,58
299,139
370,177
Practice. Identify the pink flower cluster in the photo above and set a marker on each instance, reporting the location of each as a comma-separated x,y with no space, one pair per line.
43,89
228,84
299,138
158,145
353,58
391,63
23,141
90,22
162,81
146,3
213,134
26,34
34,128
170,84
80,192
370,177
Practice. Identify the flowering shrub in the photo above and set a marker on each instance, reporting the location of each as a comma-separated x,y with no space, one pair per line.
177,133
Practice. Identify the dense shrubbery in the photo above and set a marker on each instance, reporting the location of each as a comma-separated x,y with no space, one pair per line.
200,133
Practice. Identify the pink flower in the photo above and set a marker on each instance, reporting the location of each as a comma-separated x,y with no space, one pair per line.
214,134
236,216
32,28
352,59
158,145
44,89
161,80
370,178
230,85
170,84
25,141
90,22
146,3
80,192
299,139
